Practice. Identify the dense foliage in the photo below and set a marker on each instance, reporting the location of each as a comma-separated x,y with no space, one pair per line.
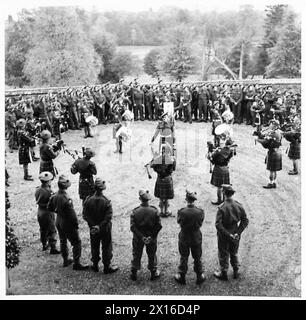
68,45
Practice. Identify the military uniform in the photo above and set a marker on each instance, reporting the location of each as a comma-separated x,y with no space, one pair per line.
46,218
67,225
220,174
190,220
97,211
87,169
145,222
231,219
138,103
46,156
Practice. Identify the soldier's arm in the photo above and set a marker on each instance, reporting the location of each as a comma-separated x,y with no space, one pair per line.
108,215
219,224
93,168
157,226
134,228
86,215
51,154
71,214
243,222
50,205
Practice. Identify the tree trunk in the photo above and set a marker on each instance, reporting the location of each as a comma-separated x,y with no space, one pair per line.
226,68
241,61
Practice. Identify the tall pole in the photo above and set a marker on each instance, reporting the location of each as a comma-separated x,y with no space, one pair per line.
241,61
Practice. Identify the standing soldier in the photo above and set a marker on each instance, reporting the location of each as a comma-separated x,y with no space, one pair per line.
67,224
47,154
46,218
203,101
269,99
145,225
87,169
220,159
163,165
231,220
190,220
25,142
236,98
272,142
294,137
138,103
186,104
148,99
195,102
98,212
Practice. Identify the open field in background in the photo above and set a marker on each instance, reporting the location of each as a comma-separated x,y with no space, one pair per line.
270,251
140,52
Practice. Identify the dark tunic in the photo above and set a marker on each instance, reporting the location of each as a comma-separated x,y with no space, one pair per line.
46,156
220,174
24,141
87,169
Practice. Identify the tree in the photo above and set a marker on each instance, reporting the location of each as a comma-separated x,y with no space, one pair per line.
272,24
285,56
151,63
62,54
179,61
124,63
17,44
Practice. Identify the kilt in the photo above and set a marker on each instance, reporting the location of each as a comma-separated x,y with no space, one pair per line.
46,166
220,175
24,155
294,151
164,188
86,187
274,160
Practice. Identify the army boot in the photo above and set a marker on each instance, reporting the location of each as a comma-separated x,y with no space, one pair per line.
133,275
155,274
180,278
200,278
95,267
236,273
54,250
221,275
78,266
67,262
110,269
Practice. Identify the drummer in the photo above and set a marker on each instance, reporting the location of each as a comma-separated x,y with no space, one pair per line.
123,132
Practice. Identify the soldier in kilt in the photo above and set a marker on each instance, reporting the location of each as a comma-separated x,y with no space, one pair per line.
272,142
47,154
294,137
220,175
25,142
87,169
163,165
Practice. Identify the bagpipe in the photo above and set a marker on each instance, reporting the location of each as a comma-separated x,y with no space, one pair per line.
268,139
224,132
211,148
